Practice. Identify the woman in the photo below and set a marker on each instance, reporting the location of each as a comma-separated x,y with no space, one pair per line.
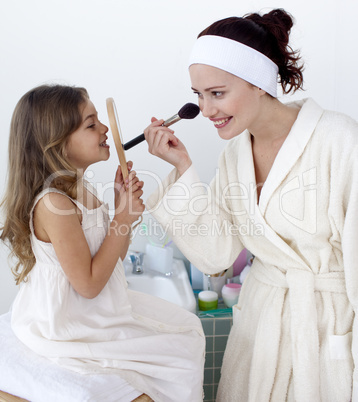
287,190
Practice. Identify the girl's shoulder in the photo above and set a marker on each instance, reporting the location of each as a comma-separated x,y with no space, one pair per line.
49,205
55,200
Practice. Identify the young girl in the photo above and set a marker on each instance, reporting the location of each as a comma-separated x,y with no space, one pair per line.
73,305
287,190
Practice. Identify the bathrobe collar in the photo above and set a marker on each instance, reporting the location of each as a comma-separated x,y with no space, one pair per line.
291,150
286,158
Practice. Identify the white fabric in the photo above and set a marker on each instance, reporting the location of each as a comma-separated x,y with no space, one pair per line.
237,59
156,346
294,334
25,374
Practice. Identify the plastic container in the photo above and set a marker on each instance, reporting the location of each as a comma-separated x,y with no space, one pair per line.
196,278
244,273
214,283
240,263
208,300
230,293
159,259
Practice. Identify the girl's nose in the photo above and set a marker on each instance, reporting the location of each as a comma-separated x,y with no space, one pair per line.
105,128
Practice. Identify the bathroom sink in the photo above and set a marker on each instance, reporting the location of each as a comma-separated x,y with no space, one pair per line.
175,288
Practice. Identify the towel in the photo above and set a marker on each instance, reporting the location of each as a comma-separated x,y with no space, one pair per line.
27,375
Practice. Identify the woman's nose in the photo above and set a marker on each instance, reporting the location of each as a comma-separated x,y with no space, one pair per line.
207,108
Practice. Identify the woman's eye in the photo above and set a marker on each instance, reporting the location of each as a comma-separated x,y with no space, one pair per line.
198,94
217,93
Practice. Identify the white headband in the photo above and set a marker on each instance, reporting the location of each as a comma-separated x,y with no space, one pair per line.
237,59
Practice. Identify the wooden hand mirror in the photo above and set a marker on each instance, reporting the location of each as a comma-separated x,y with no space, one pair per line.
117,135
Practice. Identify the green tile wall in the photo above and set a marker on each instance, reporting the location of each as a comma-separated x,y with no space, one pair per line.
216,331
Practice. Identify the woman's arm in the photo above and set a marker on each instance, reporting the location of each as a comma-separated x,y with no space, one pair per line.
88,275
190,210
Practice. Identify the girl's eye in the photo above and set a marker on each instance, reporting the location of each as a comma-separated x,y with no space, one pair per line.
91,126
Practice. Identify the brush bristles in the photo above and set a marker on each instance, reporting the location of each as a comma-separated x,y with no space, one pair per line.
189,111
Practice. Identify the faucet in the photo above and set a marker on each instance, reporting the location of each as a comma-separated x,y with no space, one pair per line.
137,262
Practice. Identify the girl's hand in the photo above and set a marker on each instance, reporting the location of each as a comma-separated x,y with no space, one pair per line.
163,143
118,181
128,203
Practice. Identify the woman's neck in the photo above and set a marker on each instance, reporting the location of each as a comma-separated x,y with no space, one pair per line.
274,123
268,136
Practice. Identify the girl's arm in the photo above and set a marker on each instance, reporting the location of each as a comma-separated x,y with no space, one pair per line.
61,224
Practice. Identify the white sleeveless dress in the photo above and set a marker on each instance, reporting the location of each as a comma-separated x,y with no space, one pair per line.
156,346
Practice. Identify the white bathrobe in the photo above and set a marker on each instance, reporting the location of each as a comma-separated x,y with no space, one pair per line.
294,334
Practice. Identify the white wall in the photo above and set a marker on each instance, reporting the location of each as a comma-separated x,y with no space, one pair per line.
136,52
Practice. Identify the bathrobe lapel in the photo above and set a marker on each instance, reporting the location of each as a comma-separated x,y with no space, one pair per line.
291,149
286,158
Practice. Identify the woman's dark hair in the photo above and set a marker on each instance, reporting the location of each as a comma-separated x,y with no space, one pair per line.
268,34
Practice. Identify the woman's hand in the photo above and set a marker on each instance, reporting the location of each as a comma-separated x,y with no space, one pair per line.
127,199
163,143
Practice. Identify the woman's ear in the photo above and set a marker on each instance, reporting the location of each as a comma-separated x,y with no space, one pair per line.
261,91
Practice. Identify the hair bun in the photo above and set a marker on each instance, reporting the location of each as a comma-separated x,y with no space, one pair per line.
280,17
277,22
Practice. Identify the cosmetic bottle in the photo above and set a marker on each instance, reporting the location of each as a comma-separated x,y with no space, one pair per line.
230,293
208,300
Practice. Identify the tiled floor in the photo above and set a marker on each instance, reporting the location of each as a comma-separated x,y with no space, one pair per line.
216,329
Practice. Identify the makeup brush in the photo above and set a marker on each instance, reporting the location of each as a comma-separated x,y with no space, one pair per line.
188,111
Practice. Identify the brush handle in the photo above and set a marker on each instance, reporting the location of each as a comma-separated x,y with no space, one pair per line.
130,144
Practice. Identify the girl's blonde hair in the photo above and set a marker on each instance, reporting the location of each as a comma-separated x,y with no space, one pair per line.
41,124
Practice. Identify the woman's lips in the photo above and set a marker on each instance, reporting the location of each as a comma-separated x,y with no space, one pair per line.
220,123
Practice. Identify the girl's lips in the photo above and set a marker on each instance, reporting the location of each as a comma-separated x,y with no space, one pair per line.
219,123
104,144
